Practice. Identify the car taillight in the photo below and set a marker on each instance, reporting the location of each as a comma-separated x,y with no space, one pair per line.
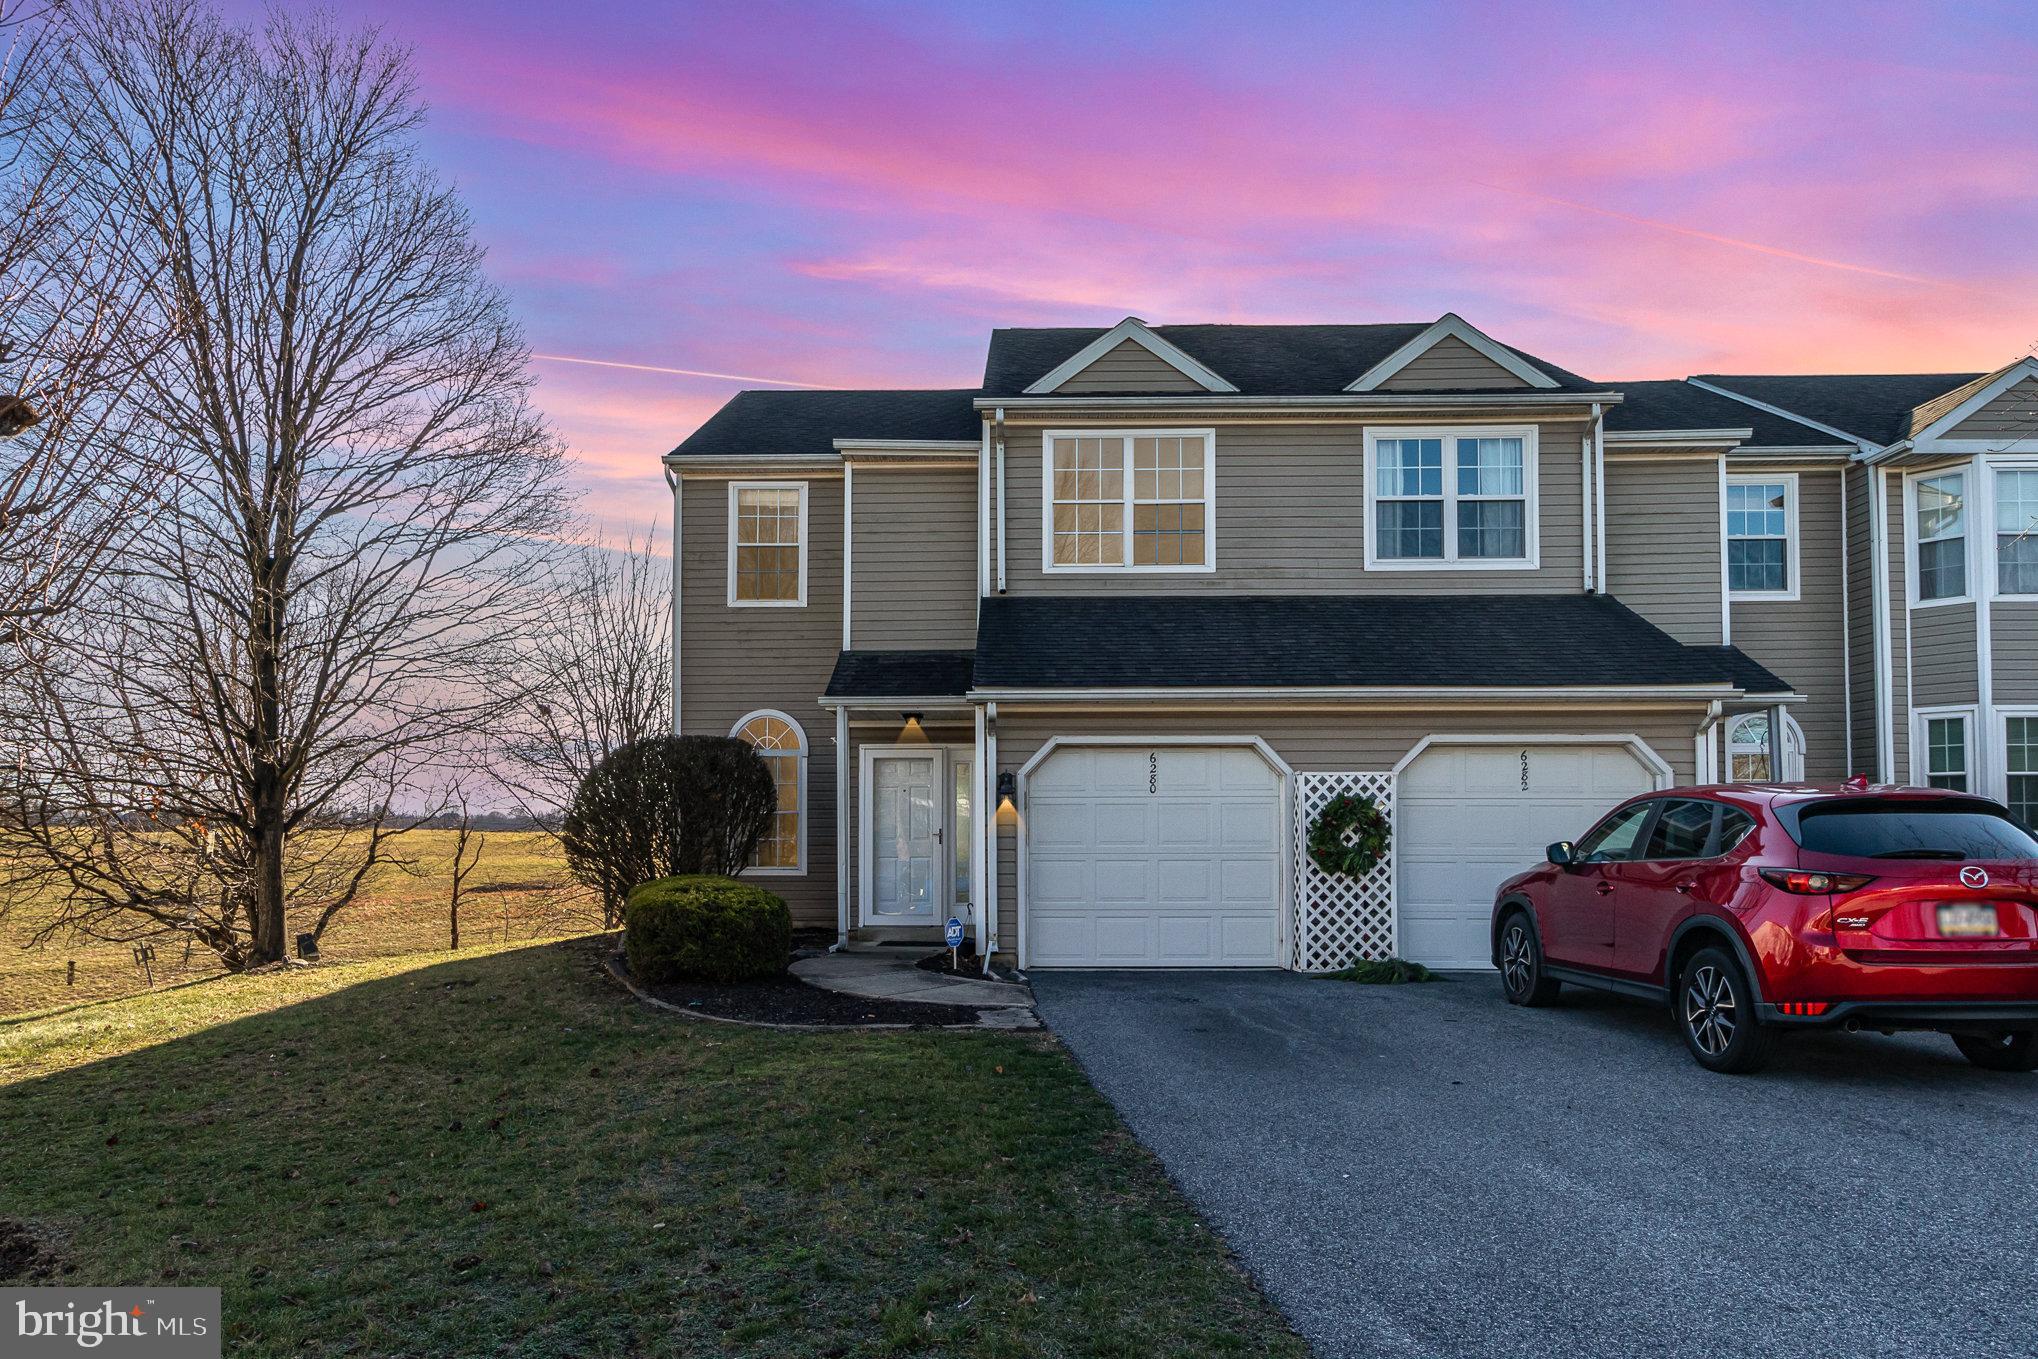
1808,1009
1815,884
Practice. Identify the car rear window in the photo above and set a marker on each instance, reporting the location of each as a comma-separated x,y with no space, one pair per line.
1899,828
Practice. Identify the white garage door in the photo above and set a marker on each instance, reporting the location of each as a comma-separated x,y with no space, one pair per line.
1474,815
1164,856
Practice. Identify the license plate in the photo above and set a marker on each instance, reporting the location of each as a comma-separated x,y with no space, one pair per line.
1967,920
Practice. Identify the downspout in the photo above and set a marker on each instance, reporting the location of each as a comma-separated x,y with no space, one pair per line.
984,512
1599,490
978,879
672,480
1885,662
1846,627
1705,758
1586,518
999,440
841,829
1990,774
1726,577
848,540
990,823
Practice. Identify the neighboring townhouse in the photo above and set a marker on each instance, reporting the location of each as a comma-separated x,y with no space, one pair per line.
1075,655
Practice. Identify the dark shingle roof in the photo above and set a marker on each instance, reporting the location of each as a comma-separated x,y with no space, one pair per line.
1679,405
900,674
1258,360
1338,641
1872,406
806,424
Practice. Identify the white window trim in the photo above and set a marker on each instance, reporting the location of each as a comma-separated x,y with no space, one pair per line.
800,602
1047,562
799,868
1921,762
1531,460
1765,749
1912,545
1788,480
949,754
1999,747
1991,468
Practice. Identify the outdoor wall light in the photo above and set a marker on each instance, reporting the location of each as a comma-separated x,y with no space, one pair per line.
1008,788
909,718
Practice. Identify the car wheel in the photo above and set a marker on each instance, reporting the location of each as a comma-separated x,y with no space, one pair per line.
1521,964
1716,1014
2005,1050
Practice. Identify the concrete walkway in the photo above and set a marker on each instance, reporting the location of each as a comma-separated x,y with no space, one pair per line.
892,975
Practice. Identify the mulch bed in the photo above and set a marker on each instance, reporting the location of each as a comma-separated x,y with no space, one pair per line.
968,964
788,1000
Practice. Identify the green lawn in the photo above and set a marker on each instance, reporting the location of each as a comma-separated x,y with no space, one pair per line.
500,1153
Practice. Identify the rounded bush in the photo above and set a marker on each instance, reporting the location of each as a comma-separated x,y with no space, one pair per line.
705,928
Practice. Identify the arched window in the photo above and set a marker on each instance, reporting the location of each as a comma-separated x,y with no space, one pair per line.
1748,749
784,747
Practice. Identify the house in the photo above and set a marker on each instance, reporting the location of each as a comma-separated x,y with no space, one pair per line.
1076,655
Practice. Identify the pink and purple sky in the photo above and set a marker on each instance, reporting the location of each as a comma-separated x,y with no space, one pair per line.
852,194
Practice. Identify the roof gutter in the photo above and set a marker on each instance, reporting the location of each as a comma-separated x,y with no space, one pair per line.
1329,401
1360,693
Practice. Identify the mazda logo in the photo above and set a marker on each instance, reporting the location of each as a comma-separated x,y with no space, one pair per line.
1973,877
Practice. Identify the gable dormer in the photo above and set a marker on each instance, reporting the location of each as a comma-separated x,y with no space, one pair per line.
1129,357
1452,355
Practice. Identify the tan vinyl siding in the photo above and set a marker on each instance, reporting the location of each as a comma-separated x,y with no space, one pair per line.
1290,519
1802,641
1943,656
2015,634
1129,367
913,573
1861,621
1663,543
1321,741
1451,364
735,661
2013,414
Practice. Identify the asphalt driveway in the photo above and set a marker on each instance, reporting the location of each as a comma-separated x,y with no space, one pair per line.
1425,1170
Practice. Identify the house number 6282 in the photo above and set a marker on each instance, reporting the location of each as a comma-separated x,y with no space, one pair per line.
1153,772
1524,771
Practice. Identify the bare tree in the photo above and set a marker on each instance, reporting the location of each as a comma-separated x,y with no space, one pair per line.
355,501
463,864
73,469
599,671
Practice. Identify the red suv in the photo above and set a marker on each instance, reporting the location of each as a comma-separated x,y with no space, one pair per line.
1753,910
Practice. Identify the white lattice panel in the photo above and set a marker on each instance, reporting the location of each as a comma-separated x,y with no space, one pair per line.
1339,920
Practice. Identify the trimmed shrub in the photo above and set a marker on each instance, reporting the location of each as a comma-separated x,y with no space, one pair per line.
705,928
665,807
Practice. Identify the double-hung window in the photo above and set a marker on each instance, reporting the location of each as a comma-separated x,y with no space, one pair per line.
2017,531
2020,759
1457,498
1940,508
1133,500
1762,537
767,543
1943,753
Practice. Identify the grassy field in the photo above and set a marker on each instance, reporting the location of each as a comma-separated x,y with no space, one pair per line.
500,1153
519,891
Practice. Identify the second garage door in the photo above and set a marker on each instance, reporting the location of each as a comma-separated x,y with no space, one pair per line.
1165,856
1473,816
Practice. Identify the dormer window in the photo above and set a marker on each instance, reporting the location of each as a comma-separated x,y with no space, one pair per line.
1129,500
1451,498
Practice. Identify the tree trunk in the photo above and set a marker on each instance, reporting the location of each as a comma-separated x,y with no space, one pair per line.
265,647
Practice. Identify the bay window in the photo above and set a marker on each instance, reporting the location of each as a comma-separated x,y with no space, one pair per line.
1939,507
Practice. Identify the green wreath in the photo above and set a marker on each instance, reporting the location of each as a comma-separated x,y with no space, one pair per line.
1349,836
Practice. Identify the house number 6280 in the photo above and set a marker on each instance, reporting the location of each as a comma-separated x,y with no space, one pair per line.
1153,772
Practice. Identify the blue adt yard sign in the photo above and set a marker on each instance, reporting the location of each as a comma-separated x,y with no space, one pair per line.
952,932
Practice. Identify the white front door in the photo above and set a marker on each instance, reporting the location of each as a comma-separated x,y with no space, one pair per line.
1471,816
1154,856
915,834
